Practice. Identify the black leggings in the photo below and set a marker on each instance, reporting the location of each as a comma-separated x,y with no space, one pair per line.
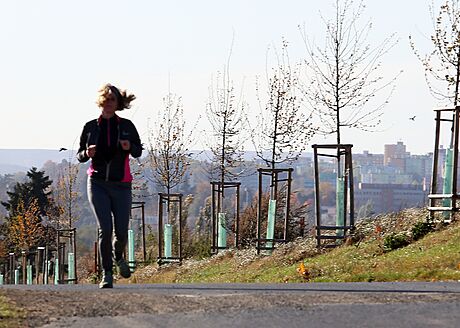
107,198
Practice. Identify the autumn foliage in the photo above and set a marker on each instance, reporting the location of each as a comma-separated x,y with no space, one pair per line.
25,229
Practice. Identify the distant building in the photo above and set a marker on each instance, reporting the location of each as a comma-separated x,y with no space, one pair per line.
386,198
421,166
368,159
396,155
387,178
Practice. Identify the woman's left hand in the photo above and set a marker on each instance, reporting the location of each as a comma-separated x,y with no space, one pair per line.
125,144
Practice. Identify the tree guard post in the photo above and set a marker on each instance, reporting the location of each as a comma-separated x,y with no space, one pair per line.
268,243
65,236
344,193
220,217
445,200
11,267
24,266
163,258
39,263
141,206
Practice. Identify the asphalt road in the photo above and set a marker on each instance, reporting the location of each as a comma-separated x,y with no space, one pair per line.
273,305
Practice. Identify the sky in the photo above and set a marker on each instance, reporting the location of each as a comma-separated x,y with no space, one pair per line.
56,54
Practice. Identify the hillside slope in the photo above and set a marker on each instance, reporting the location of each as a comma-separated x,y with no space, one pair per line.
364,257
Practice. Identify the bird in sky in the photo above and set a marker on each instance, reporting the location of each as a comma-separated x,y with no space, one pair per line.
63,149
412,118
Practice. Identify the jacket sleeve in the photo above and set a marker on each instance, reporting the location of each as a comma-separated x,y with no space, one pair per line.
81,153
136,145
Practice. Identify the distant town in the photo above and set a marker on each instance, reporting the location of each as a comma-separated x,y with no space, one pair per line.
390,181
384,182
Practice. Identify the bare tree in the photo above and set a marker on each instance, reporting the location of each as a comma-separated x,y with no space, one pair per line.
139,183
226,115
169,145
66,194
283,129
442,75
442,64
344,75
169,154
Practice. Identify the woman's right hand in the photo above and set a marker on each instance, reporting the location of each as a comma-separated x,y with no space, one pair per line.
91,151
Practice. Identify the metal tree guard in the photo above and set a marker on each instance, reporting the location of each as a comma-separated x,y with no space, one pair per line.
27,258
24,256
165,255
218,189
41,264
446,201
141,205
268,243
344,197
64,236
3,271
11,267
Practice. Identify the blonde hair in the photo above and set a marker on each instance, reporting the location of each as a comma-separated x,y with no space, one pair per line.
123,99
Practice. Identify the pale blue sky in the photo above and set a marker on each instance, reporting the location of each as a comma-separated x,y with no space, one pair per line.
55,54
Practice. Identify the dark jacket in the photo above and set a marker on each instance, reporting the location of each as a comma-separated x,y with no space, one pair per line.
111,162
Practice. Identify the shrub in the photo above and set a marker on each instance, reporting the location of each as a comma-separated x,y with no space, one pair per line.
420,229
395,241
198,248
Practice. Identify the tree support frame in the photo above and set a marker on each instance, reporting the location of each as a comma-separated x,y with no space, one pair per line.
338,151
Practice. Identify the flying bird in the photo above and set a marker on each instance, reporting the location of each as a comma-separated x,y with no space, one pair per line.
412,118
63,149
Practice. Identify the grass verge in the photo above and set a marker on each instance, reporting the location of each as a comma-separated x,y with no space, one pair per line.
434,257
10,316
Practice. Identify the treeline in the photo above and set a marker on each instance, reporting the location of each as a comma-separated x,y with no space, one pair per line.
31,212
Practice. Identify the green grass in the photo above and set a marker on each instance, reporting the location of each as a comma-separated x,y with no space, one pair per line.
434,257
9,315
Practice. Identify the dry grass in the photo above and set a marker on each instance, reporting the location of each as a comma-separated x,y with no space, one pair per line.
10,316
434,257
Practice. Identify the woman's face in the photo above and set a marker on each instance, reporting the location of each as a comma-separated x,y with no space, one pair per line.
110,104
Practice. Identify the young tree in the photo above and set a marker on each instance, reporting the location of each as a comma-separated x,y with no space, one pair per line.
139,183
282,130
66,194
442,64
442,75
169,145
226,115
169,154
282,134
342,78
344,75
25,229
